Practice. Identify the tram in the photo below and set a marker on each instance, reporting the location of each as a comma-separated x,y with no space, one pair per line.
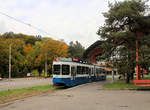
71,72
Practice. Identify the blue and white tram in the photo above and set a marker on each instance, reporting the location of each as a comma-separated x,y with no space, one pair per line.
70,73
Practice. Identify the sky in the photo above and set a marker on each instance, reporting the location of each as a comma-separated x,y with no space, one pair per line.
71,20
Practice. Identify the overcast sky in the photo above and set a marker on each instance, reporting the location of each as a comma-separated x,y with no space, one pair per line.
70,20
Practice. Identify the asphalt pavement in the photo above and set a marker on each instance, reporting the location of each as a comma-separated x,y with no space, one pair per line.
88,96
17,83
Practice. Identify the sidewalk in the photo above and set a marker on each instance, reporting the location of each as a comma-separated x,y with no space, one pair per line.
16,83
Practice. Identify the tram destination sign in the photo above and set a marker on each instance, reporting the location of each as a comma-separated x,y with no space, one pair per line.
66,59
63,59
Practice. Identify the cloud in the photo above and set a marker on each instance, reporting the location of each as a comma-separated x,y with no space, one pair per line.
3,26
70,20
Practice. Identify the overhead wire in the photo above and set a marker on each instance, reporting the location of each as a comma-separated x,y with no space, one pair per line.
28,24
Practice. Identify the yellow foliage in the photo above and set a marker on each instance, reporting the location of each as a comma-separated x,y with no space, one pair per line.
28,49
51,48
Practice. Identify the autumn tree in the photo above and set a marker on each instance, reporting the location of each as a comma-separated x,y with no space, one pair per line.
3,58
17,56
28,53
29,58
29,39
22,53
49,49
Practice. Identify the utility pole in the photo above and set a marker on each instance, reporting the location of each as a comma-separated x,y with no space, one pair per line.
45,64
45,73
9,61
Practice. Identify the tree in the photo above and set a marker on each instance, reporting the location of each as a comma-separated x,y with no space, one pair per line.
28,53
17,56
49,50
3,58
23,55
75,50
36,52
29,39
29,58
123,24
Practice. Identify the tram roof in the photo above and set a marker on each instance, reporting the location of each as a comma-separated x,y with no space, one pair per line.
71,60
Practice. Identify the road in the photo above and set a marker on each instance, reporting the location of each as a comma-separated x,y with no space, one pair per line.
23,83
84,97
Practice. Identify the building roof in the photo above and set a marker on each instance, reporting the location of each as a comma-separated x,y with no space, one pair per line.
92,48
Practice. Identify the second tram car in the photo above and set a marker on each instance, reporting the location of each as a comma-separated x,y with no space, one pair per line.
71,72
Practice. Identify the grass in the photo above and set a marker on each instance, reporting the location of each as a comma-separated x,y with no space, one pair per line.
121,85
10,95
146,77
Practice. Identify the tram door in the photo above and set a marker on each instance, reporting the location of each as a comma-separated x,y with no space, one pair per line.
73,73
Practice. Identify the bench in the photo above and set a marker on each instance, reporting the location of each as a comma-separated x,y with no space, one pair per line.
142,82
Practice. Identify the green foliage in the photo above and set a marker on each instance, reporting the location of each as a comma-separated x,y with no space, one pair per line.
35,73
3,57
75,50
124,23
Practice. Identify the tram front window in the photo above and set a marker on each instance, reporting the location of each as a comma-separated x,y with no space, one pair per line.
57,69
65,69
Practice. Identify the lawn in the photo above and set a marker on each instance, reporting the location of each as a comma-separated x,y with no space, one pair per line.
10,95
121,85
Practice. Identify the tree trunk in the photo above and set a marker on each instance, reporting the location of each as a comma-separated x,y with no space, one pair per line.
142,74
132,72
127,78
40,71
132,75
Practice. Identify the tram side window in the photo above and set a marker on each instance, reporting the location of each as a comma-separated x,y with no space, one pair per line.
90,72
83,70
103,71
65,69
79,70
87,70
97,71
57,69
100,71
